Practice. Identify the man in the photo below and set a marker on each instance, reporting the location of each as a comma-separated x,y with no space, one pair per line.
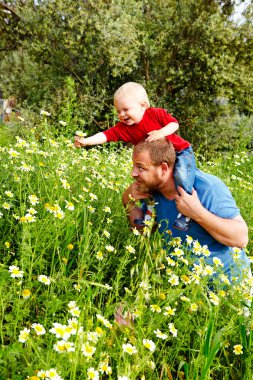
216,220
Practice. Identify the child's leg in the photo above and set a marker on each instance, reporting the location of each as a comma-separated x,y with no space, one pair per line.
140,221
147,209
185,167
184,176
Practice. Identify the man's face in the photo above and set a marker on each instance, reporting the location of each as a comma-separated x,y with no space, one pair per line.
146,174
130,111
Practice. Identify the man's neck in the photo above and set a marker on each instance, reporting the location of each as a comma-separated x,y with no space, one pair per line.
168,190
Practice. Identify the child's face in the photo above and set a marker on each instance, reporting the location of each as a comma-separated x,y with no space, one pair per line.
130,110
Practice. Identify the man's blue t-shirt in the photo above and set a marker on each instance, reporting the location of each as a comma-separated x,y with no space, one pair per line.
215,197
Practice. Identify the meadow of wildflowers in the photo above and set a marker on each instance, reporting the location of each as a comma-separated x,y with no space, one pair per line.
85,297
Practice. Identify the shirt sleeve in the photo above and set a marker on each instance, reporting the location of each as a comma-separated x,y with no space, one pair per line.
113,133
220,201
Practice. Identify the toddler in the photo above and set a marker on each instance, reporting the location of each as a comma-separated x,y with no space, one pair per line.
138,122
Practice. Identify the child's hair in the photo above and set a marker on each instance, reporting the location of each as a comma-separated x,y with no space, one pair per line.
133,88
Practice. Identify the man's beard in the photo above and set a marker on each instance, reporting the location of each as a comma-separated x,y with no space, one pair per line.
149,187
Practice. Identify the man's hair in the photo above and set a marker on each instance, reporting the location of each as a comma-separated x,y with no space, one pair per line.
134,89
160,151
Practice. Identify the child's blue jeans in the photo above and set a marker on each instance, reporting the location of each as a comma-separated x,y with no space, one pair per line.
184,171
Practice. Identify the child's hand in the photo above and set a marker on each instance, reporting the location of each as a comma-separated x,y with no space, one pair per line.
154,135
79,141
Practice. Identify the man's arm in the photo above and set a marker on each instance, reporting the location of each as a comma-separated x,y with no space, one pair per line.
97,139
230,232
130,196
169,129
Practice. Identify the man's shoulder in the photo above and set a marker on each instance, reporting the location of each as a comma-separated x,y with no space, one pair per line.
215,195
208,183
209,179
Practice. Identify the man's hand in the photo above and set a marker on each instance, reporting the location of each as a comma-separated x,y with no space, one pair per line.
79,141
133,194
231,232
188,204
154,135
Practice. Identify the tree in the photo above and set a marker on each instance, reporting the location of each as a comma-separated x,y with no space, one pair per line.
201,58
82,39
190,54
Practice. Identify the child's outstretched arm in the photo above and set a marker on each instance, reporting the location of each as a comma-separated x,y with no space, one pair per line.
169,129
96,139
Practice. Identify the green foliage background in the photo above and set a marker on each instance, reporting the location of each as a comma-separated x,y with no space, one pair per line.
191,55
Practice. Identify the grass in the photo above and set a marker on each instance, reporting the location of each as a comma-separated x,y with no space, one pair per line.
83,296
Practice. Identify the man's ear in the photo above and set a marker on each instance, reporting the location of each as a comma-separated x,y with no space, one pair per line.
164,167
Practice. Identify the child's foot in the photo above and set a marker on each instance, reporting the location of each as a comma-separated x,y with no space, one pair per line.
139,222
182,222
